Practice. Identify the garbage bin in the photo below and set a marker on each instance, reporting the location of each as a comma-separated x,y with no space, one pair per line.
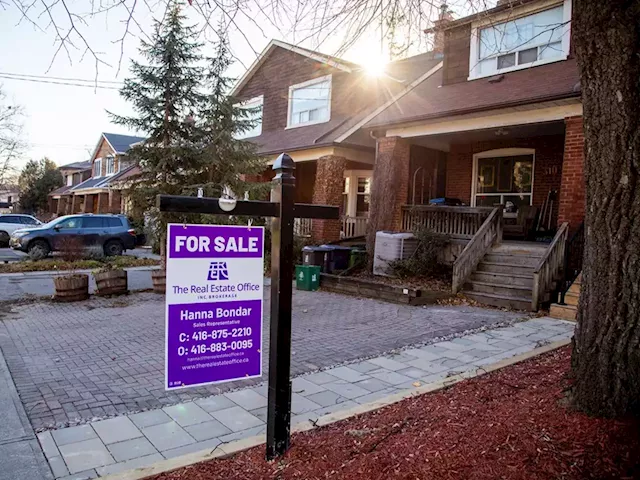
316,256
357,257
338,257
307,277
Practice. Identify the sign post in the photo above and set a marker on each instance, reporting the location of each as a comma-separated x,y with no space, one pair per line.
284,211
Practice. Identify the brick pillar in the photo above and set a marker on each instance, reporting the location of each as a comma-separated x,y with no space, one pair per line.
115,201
572,187
52,204
76,200
88,204
327,190
103,202
62,205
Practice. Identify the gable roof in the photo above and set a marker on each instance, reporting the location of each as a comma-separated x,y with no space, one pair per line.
121,143
431,99
330,60
85,165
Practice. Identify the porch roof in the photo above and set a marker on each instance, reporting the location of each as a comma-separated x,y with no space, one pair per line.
431,99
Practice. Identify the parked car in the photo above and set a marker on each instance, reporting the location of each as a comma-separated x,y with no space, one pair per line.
112,233
9,223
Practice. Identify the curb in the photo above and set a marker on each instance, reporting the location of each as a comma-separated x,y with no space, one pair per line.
228,449
53,273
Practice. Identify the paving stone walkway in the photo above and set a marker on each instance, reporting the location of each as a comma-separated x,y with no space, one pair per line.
105,357
132,441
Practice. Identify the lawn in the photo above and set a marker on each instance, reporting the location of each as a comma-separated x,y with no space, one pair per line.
511,424
58,264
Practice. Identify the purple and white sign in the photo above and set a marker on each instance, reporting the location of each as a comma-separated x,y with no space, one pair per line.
214,304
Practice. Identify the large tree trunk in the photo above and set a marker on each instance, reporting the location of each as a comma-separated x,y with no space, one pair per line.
606,355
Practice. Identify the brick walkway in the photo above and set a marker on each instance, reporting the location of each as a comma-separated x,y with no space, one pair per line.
106,356
132,441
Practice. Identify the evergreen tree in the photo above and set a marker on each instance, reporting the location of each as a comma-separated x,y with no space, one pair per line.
37,179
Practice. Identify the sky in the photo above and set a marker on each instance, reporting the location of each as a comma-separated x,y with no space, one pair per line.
64,122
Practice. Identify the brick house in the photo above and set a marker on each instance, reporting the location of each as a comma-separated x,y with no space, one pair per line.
95,186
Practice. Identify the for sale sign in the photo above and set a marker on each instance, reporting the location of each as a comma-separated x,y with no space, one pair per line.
213,304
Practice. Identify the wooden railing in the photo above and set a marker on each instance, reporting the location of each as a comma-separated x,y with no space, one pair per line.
549,267
460,222
354,226
489,233
302,227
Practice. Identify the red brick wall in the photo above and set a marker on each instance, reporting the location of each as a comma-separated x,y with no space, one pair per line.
572,193
456,55
430,163
328,190
547,173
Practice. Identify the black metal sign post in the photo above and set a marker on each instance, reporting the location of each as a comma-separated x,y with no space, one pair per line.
284,211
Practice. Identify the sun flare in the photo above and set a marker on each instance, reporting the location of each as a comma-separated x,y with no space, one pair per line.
374,64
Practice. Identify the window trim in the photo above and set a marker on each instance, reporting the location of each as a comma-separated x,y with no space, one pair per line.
501,152
106,168
308,83
251,103
352,193
93,172
474,48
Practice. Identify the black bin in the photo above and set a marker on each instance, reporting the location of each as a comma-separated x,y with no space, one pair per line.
319,256
338,257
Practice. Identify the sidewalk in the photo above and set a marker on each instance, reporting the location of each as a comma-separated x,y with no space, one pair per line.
131,441
20,454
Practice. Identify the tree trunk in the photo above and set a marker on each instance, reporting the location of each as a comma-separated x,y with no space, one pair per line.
606,355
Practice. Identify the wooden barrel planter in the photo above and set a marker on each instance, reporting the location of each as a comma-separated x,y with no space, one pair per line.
111,282
71,288
159,279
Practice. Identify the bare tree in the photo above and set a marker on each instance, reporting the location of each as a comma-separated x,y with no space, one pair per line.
11,140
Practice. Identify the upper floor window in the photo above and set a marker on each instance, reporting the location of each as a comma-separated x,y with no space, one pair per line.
97,167
70,180
526,41
254,115
111,165
310,102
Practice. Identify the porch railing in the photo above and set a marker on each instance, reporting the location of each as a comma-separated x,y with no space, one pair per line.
573,259
549,267
489,233
461,222
302,227
354,226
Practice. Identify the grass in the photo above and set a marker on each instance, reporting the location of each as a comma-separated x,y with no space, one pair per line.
58,264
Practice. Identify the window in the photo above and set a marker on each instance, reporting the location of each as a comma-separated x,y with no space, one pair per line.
504,180
363,195
29,221
70,180
97,167
520,43
310,102
9,219
111,165
113,222
93,222
73,222
253,116
345,195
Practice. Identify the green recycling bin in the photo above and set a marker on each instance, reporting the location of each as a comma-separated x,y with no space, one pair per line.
357,257
307,277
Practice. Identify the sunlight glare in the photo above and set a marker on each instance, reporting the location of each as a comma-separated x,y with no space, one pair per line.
374,64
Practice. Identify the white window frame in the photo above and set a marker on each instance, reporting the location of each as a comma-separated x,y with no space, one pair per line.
308,83
99,162
526,11
252,103
352,194
69,181
502,152
110,159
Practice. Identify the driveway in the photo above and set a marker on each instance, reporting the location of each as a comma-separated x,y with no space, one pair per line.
103,357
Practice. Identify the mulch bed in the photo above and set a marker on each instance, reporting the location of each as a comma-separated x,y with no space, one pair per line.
511,424
437,283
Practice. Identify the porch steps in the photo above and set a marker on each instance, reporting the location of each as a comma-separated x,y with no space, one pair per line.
504,277
570,310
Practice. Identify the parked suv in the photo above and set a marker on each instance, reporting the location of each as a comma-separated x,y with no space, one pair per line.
11,222
112,233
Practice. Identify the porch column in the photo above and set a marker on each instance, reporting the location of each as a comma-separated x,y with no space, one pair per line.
572,187
103,202
390,187
115,200
52,204
88,204
328,190
75,204
62,205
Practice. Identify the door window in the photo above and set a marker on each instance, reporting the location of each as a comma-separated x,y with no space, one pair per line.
93,222
75,222
504,181
10,219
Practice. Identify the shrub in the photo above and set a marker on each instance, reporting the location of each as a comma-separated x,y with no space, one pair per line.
424,261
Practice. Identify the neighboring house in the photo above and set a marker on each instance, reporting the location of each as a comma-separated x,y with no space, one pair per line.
99,190
9,196
308,101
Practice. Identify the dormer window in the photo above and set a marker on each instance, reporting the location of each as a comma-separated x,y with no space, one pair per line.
534,39
309,102
111,165
97,168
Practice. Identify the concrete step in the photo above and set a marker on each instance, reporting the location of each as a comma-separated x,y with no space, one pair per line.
571,298
503,278
500,300
503,289
498,267
511,259
564,312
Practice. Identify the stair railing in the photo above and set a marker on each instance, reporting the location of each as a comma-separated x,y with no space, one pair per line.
549,267
489,233
573,259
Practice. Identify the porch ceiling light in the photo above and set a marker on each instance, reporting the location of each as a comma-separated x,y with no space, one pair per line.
501,132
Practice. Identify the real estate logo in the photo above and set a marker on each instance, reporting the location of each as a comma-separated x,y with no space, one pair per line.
218,271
